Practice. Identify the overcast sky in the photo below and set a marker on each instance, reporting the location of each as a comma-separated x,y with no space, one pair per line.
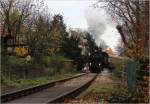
81,14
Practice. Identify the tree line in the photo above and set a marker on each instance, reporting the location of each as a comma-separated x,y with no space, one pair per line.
29,23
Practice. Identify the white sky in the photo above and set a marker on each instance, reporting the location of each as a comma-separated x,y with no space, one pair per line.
76,13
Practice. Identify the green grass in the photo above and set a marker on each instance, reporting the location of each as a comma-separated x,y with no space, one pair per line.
106,88
56,57
102,88
15,60
35,81
98,92
23,83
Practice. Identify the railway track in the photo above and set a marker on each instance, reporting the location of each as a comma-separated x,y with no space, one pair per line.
54,92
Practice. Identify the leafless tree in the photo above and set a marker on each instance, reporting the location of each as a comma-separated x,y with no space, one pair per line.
37,29
14,14
133,23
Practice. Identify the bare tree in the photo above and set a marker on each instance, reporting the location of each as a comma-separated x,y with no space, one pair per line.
37,30
13,17
133,19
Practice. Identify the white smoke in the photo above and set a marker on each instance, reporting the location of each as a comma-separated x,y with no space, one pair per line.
99,24
96,23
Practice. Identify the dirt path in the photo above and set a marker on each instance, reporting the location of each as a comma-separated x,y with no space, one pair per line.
102,87
105,78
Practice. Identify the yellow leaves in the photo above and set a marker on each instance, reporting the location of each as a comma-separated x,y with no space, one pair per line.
21,51
55,35
53,50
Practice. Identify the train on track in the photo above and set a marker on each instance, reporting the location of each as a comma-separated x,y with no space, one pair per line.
97,61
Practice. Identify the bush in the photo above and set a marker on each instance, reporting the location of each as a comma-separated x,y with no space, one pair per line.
56,57
58,64
119,66
15,60
17,68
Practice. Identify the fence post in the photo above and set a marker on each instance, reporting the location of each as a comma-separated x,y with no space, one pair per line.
132,66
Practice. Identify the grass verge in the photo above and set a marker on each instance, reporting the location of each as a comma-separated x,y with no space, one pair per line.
10,85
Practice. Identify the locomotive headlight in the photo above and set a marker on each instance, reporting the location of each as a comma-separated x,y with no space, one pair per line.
99,64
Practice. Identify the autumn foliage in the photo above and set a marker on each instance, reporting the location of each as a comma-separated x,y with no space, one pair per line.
21,51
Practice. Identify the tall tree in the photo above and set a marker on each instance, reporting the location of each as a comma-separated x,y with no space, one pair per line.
57,31
133,19
70,46
37,30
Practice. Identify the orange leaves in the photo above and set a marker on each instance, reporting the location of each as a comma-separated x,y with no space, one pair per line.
146,78
21,51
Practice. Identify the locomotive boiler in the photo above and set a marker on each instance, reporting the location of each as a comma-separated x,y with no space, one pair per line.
98,61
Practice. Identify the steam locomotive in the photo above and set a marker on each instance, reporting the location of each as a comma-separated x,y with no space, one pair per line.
97,61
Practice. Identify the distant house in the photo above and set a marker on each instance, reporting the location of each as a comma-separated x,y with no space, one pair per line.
8,41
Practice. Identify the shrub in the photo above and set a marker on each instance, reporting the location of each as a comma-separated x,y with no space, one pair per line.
15,60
